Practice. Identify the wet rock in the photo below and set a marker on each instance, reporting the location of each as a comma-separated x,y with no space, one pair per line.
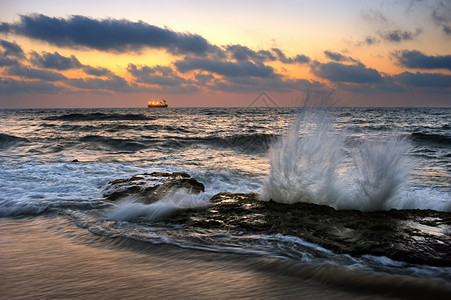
150,187
413,236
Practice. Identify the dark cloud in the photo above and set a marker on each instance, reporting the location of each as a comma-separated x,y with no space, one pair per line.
368,41
10,86
225,68
11,49
54,61
157,75
416,60
240,53
32,73
97,71
338,72
424,80
106,34
203,78
7,62
338,56
301,59
399,36
257,84
441,15
113,83
10,54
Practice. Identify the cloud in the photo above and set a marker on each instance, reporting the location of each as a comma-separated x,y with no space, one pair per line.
424,80
97,71
441,15
32,73
113,83
368,41
338,72
59,62
157,75
107,34
11,49
300,58
240,53
54,61
257,84
338,56
416,60
10,86
397,36
225,68
374,16
10,53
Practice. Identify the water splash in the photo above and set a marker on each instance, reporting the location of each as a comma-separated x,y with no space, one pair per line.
315,169
381,171
130,208
304,169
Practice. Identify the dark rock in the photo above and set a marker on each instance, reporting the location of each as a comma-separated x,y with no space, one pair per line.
75,161
150,187
413,236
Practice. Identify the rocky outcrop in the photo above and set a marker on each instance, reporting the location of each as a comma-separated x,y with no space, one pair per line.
150,187
414,236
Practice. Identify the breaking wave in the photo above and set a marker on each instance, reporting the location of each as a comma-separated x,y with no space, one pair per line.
131,209
8,141
98,117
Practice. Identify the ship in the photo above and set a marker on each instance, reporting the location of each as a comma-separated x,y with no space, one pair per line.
156,103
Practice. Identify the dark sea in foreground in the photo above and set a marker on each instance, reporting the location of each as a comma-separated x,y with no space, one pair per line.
61,238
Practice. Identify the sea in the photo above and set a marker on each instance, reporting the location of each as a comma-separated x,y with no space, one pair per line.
60,237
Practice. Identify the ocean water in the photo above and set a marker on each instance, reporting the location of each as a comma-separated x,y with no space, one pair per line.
348,158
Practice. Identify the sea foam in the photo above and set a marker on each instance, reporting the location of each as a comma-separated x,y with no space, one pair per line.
130,208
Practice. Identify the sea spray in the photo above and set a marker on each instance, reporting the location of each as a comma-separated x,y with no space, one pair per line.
380,173
304,169
313,168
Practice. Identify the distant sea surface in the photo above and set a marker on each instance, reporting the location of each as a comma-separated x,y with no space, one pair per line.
61,160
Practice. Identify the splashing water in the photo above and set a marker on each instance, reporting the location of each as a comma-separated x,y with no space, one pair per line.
130,208
304,170
315,169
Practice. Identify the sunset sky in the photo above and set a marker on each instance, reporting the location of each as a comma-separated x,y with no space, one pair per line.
224,53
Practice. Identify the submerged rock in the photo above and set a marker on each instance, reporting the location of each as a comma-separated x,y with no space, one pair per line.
413,236
151,187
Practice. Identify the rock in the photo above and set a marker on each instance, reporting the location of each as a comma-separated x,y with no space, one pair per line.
150,187
413,236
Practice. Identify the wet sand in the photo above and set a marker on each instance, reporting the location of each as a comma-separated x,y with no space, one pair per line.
50,258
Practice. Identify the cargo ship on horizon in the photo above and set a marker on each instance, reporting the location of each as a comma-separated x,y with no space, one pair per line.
152,104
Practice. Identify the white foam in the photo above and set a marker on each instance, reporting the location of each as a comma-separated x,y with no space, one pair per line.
130,208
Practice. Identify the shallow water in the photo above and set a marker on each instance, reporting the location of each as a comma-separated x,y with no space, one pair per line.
47,258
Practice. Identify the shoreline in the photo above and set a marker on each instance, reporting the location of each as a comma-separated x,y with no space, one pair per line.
42,259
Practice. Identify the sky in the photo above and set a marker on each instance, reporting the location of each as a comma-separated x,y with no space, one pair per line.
70,54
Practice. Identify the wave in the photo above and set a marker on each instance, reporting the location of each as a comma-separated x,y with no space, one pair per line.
14,209
8,141
114,144
99,117
431,138
243,143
